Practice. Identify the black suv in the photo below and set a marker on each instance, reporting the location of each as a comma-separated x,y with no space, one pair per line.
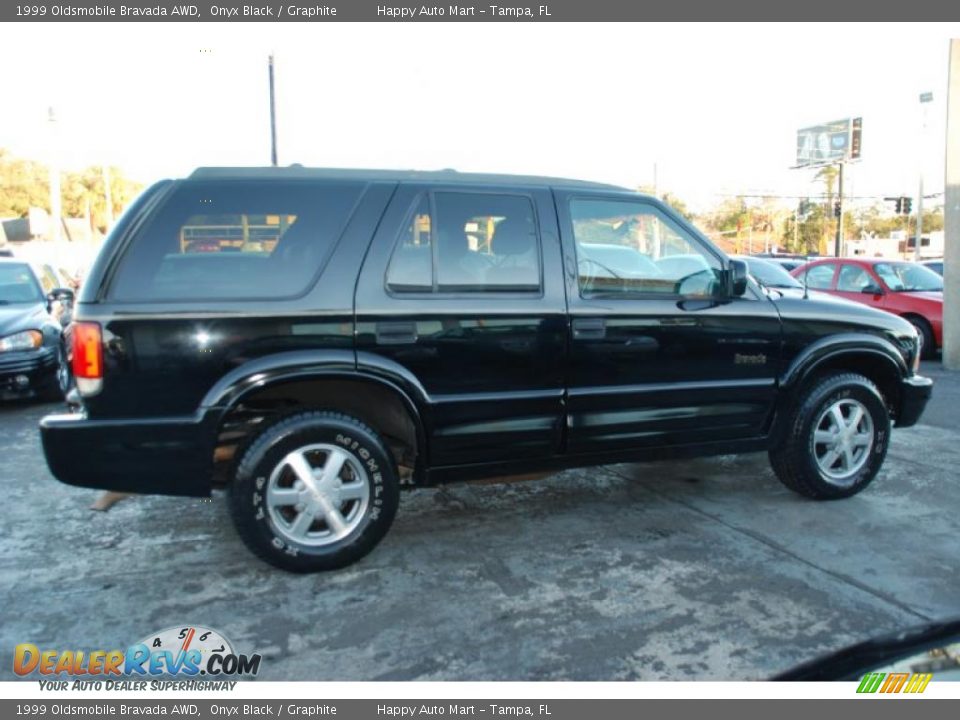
313,340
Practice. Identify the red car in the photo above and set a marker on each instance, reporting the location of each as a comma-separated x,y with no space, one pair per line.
904,288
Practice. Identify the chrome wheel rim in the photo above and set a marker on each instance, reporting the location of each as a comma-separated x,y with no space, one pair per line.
63,371
842,441
317,495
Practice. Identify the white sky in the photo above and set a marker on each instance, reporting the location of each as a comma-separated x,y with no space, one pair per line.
715,106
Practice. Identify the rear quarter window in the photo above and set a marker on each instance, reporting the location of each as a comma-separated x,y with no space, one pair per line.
235,240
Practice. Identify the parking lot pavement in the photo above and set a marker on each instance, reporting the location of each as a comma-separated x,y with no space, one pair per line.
703,569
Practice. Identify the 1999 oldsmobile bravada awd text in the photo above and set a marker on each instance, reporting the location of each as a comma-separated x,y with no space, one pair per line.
312,340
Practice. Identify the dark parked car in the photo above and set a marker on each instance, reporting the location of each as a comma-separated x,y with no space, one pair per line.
770,273
787,261
370,330
33,360
935,265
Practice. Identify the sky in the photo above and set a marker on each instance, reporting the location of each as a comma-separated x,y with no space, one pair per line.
708,110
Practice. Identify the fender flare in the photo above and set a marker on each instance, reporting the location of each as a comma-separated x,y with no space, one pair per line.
832,346
284,367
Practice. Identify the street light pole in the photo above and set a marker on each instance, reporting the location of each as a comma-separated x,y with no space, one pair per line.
55,206
925,100
951,216
273,118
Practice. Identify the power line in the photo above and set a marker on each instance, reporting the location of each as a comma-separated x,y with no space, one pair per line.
823,196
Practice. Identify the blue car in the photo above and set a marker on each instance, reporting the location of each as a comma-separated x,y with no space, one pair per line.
33,357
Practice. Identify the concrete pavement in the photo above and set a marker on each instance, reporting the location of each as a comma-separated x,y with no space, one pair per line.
703,569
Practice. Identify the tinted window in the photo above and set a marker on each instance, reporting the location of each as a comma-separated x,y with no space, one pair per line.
820,277
853,278
628,247
411,267
468,242
235,240
18,284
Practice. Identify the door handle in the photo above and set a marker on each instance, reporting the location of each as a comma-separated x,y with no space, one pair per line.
396,333
643,343
589,328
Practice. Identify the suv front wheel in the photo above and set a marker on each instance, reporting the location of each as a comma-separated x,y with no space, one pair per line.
314,491
835,439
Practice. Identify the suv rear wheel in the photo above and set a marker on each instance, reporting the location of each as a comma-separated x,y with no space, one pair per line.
835,440
314,491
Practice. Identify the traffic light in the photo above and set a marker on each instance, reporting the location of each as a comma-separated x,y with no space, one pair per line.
907,205
899,205
836,209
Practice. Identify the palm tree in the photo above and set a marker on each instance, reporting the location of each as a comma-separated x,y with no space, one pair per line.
828,173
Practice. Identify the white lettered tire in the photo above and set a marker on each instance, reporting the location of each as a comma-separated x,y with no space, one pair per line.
314,491
835,438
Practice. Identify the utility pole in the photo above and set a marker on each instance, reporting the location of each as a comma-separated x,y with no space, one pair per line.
951,211
796,222
925,100
839,237
55,207
273,118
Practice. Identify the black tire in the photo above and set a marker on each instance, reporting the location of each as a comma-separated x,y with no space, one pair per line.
794,460
261,469
60,380
928,350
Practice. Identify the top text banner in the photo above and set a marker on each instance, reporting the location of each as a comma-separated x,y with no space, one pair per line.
547,11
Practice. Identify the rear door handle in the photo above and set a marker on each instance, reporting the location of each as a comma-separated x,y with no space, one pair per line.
589,328
396,333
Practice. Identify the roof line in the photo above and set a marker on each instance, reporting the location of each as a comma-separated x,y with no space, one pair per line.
446,175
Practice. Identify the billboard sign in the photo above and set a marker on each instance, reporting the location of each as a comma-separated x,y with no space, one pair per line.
830,143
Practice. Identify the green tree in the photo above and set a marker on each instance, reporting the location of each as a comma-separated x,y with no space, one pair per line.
730,215
85,191
23,184
679,205
26,183
809,233
828,174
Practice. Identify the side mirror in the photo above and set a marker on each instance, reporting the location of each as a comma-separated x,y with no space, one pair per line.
872,289
737,271
60,294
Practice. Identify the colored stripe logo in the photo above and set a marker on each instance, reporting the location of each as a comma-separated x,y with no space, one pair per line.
894,682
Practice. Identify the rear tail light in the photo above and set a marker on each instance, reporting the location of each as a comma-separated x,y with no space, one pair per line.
88,357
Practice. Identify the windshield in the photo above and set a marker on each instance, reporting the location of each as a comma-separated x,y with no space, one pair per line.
908,277
771,274
18,285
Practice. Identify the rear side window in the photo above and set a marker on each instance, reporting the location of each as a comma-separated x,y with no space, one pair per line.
853,279
820,277
467,242
234,240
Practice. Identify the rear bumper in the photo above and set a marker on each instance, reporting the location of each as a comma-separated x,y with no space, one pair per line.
23,373
168,456
915,391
